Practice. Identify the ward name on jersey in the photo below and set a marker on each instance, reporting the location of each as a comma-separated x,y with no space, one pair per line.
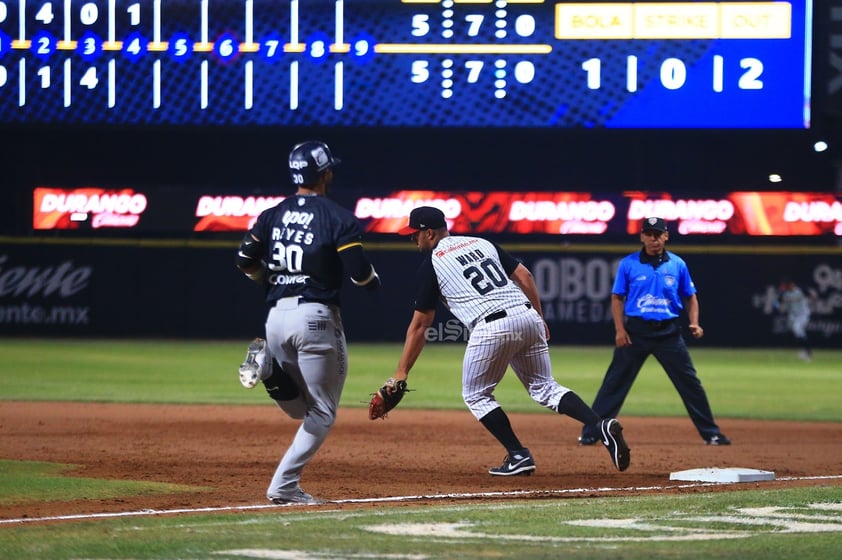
468,267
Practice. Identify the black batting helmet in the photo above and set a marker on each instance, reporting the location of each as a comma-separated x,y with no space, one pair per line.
307,160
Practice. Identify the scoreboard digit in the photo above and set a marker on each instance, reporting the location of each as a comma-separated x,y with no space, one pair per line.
407,63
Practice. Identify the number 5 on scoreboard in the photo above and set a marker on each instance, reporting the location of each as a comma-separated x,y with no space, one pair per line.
420,71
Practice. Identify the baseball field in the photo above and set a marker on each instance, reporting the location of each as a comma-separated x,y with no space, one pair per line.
152,449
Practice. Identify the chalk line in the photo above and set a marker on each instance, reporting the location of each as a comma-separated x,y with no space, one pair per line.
429,497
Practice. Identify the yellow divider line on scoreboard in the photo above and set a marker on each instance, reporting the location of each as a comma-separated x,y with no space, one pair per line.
445,48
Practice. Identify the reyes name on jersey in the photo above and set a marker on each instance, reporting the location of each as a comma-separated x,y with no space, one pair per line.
302,236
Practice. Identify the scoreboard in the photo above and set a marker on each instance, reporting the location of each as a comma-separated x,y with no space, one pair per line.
407,63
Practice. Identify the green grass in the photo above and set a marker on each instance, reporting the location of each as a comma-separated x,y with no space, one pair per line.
803,523
763,384
27,481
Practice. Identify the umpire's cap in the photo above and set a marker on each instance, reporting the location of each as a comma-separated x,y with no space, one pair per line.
424,217
656,224
308,159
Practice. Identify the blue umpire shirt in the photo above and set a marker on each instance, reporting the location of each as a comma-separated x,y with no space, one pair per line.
654,287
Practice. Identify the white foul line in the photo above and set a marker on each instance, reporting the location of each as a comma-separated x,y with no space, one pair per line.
468,495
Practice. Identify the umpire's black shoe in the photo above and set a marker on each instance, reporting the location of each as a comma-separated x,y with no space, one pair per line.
612,438
519,462
717,439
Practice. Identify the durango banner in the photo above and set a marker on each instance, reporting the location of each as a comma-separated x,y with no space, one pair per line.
91,207
181,212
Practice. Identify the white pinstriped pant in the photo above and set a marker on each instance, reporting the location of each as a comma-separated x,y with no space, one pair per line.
518,340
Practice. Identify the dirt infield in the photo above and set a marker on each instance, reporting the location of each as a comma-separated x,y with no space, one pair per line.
232,451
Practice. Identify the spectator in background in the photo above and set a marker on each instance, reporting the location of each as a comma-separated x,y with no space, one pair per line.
795,304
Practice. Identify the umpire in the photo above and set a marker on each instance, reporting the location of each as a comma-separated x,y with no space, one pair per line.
651,289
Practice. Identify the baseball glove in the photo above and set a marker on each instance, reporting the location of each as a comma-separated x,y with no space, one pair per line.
386,398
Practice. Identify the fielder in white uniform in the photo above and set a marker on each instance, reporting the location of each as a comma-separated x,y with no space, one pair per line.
495,297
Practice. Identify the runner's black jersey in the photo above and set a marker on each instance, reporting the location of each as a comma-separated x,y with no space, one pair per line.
302,237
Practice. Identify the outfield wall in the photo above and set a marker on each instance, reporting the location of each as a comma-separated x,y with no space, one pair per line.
163,289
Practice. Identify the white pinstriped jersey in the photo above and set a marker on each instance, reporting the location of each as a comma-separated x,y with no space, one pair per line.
473,278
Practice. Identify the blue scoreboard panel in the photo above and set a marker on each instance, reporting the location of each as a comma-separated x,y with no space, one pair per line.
407,63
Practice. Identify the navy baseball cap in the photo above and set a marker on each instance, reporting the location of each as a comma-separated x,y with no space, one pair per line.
657,224
424,217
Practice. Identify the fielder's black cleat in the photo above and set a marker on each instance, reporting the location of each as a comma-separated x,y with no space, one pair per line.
717,439
612,439
519,463
588,440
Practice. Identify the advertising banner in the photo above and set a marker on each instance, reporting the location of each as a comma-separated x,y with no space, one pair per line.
123,290
194,291
738,296
736,216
